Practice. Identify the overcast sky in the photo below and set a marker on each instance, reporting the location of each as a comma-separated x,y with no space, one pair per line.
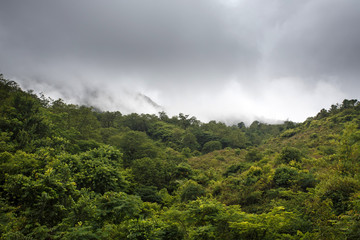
228,60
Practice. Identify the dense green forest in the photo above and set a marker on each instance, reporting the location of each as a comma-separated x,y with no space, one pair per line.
73,172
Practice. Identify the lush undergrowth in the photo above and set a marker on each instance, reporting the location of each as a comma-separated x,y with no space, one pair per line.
70,172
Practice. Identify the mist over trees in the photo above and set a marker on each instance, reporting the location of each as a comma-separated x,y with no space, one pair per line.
72,172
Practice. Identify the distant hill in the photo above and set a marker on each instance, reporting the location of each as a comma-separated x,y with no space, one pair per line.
73,172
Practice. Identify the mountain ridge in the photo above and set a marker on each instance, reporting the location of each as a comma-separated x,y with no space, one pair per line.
71,172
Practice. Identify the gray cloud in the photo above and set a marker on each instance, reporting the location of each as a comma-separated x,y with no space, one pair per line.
321,41
146,36
230,59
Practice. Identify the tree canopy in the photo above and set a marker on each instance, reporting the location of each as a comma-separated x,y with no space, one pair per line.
73,172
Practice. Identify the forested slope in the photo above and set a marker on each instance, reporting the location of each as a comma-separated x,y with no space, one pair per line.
71,172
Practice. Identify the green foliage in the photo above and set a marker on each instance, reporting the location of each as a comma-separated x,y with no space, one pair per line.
339,190
289,154
134,145
190,191
306,180
148,194
239,167
80,232
235,139
350,142
285,176
288,133
253,155
141,229
349,222
190,141
22,118
211,146
85,145
153,172
45,193
70,172
100,170
108,119
171,231
74,121
183,170
116,207
136,122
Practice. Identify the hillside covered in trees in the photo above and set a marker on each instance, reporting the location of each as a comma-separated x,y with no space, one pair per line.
71,172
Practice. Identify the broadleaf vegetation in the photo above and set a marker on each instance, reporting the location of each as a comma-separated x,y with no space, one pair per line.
74,172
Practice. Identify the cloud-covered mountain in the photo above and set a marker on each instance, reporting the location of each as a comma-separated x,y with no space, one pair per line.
211,58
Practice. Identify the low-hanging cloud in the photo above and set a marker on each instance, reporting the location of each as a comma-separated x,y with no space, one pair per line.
227,60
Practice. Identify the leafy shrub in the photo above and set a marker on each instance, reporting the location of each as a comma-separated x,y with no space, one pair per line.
191,191
253,155
153,172
306,180
285,176
327,150
171,232
183,170
239,167
339,189
86,145
253,175
115,207
211,146
148,194
314,136
288,133
289,154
